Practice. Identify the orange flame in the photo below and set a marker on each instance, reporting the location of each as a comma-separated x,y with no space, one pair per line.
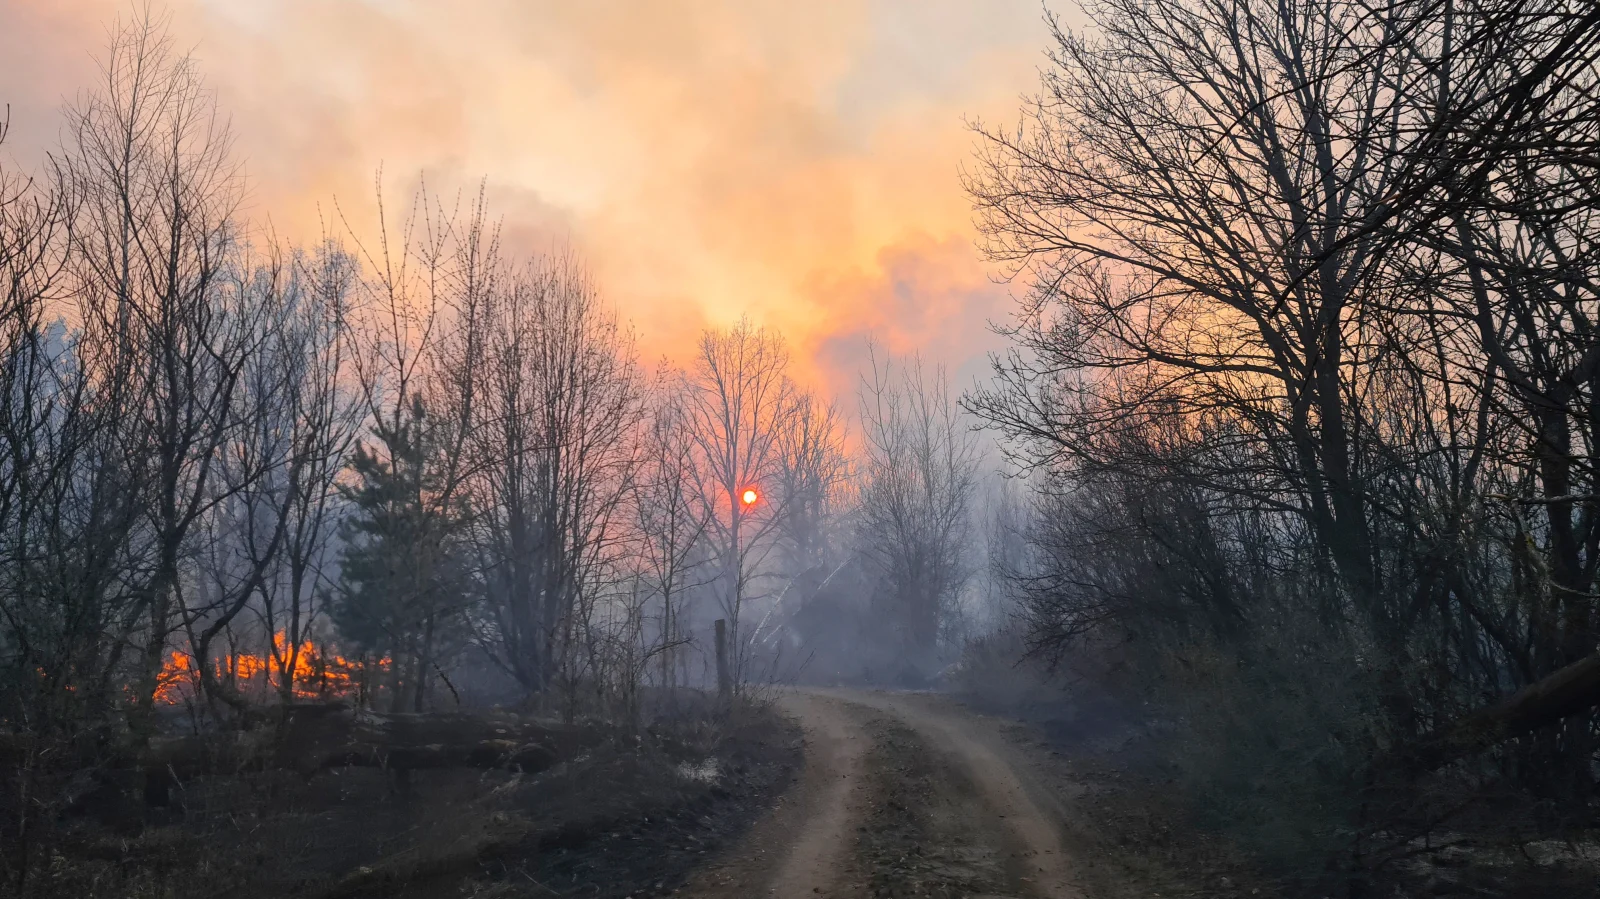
314,672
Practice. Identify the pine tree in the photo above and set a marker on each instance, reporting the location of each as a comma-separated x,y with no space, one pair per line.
404,584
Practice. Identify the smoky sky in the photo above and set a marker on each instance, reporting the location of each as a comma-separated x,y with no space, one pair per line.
796,162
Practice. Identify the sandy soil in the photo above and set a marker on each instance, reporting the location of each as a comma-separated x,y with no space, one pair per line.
900,795
803,846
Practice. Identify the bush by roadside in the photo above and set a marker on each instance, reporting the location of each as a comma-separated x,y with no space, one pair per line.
1165,800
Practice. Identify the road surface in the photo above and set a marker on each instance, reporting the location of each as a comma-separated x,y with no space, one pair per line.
901,794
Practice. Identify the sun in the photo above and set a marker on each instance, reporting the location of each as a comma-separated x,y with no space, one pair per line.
750,496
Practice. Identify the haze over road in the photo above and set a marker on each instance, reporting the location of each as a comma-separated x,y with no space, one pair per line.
900,790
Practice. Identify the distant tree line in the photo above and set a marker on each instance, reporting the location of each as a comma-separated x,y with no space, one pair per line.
1308,381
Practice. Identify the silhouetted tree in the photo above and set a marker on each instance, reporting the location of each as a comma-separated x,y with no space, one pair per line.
404,577
918,476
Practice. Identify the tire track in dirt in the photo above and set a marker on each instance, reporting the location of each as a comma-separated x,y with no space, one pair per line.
921,838
803,849
900,795
1006,798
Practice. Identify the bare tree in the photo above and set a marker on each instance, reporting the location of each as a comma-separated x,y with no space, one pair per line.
155,236
1304,374
52,646
739,401
237,543
919,471
672,523
297,424
554,444
67,509
321,415
812,470
403,590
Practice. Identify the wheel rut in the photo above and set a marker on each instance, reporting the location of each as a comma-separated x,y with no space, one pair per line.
901,795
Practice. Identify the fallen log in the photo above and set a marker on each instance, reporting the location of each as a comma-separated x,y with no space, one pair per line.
1569,691
302,738
308,739
343,737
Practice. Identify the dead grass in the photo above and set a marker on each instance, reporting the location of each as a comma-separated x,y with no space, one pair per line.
1136,831
628,818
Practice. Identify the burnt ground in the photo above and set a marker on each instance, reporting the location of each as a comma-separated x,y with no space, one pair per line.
631,818
1134,834
897,795
1128,828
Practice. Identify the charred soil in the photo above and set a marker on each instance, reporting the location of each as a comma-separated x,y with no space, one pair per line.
1135,833
630,817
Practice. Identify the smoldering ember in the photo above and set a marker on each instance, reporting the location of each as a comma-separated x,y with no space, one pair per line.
749,449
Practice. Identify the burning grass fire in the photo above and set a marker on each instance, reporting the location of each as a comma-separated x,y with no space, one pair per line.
315,672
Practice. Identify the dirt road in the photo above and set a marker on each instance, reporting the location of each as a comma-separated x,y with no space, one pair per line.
901,795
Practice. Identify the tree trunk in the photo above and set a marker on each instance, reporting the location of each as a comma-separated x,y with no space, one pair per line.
1569,691
724,676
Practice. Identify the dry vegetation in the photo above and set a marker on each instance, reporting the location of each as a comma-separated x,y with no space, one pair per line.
1304,389
619,814
1307,383
398,511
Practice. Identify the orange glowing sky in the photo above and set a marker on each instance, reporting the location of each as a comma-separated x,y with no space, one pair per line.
798,162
